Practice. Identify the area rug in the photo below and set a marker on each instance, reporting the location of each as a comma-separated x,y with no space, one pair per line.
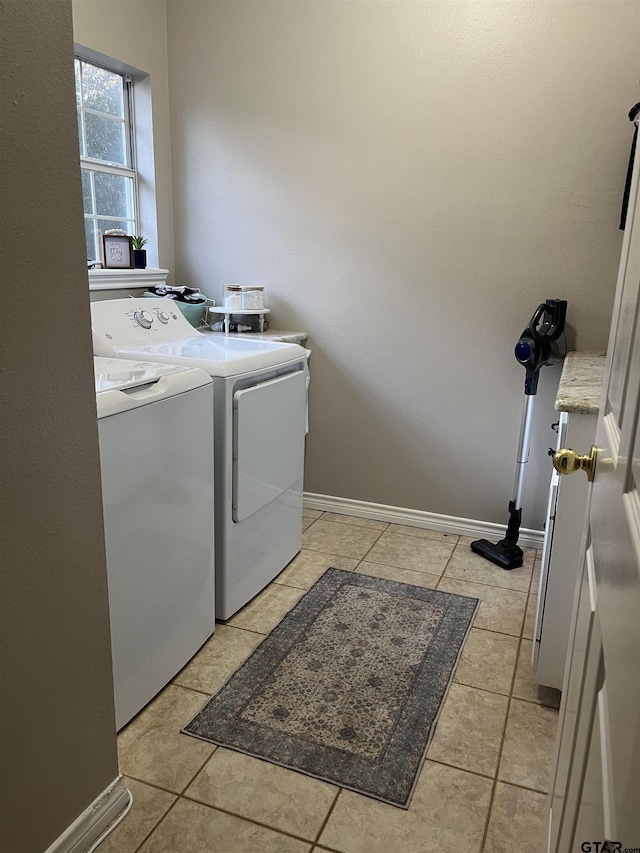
348,686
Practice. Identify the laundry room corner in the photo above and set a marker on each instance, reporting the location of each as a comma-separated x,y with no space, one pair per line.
408,199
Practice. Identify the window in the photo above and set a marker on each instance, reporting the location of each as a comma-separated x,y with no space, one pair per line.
105,131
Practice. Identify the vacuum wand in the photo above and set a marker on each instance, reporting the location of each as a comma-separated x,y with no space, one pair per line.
541,343
508,547
523,448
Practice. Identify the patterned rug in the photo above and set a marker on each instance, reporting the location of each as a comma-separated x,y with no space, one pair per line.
348,687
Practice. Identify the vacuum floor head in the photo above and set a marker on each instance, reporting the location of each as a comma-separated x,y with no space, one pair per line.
502,553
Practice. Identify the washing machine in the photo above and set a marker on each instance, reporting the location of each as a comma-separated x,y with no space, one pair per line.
155,424
259,414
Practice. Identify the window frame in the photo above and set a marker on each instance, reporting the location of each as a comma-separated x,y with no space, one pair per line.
98,166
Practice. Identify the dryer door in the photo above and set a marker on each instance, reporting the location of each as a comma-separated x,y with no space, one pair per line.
268,441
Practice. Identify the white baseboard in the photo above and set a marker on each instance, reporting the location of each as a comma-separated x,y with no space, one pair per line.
417,518
88,826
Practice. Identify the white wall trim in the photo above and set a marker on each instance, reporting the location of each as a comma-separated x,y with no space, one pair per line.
417,518
88,826
126,279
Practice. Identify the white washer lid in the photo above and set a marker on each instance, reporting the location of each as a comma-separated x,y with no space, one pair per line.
122,384
217,355
114,373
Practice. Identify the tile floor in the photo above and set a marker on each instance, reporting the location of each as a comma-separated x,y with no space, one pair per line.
482,787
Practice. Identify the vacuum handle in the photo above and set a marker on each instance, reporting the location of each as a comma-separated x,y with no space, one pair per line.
555,326
532,326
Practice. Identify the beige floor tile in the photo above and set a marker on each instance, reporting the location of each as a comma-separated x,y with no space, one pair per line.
488,661
528,745
447,813
525,685
411,552
264,792
528,628
149,805
469,730
330,537
354,519
516,821
267,609
151,748
394,574
307,522
218,659
535,577
500,610
305,569
450,805
421,533
467,566
193,828
311,513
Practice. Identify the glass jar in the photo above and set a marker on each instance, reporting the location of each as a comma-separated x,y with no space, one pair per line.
232,296
253,298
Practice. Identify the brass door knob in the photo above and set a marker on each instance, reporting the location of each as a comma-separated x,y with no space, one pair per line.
566,461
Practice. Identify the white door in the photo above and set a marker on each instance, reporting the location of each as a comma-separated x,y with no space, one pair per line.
595,793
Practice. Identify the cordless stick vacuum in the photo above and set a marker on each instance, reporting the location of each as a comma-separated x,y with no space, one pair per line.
541,343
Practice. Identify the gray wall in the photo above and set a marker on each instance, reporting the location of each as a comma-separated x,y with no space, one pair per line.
57,740
408,180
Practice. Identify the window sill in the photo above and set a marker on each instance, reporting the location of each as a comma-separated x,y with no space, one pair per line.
126,279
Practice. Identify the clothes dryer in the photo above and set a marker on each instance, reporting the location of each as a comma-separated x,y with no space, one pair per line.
154,426
259,412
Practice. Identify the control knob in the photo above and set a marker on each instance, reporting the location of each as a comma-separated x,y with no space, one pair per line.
143,318
163,317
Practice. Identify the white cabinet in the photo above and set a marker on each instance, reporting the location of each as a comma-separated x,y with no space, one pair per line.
562,554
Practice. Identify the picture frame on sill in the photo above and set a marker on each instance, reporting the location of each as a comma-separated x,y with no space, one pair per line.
117,252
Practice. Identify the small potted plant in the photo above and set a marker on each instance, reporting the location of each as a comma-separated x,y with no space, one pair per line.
139,254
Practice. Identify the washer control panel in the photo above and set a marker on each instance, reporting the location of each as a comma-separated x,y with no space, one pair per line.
150,317
138,321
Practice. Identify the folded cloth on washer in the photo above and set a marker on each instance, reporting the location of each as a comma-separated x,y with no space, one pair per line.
181,294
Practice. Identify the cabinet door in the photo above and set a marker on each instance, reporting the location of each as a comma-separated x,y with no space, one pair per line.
549,529
565,560
544,566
